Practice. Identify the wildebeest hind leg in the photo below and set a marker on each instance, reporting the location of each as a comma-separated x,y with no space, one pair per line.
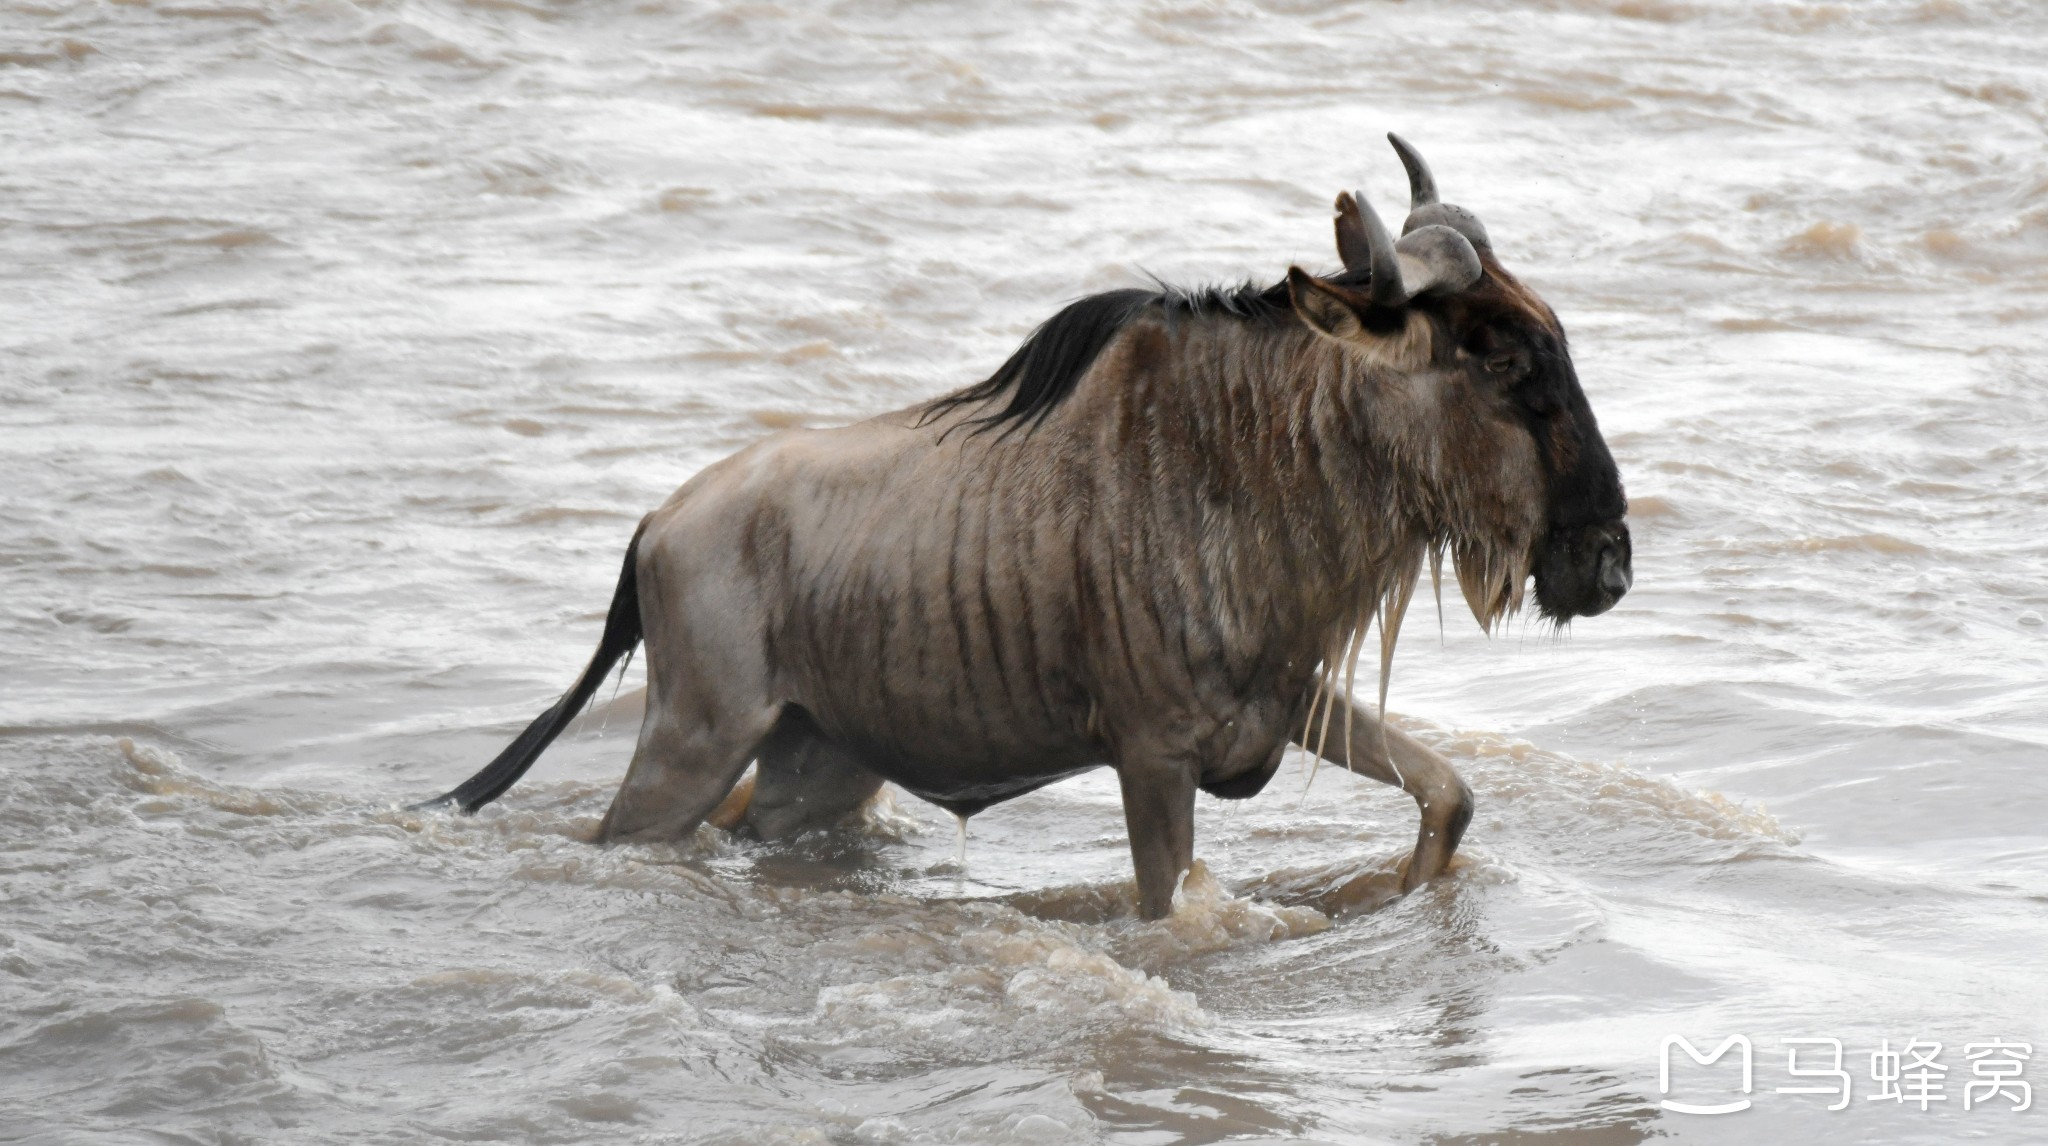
1445,800
708,711
804,780
681,770
709,700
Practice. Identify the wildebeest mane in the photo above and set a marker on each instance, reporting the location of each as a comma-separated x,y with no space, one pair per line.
1054,357
1045,369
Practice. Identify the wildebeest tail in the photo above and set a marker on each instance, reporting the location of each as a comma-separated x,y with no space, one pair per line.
621,633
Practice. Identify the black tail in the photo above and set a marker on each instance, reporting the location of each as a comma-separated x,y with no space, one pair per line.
621,633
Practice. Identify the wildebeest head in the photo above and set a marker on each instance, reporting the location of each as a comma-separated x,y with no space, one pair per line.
1523,484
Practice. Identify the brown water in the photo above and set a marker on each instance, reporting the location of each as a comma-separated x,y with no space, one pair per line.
342,344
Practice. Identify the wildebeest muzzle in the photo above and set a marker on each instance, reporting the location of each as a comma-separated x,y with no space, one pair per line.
1583,570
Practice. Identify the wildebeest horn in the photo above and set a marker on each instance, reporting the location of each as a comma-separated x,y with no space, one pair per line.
1430,258
1425,208
1438,259
1421,184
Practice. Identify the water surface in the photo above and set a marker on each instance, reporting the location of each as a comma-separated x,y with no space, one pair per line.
341,345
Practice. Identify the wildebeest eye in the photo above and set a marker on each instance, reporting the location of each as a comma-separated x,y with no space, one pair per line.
1500,363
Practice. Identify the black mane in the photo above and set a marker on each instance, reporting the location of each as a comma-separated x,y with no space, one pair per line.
1050,363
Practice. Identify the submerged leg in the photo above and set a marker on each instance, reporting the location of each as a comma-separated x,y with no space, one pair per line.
1417,769
681,769
804,780
1159,813
710,702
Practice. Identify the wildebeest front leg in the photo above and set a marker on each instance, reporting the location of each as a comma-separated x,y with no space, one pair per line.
1445,800
1159,813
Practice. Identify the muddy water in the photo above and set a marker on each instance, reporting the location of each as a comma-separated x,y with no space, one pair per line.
341,345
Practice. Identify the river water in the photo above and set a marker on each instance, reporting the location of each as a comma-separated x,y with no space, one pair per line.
341,345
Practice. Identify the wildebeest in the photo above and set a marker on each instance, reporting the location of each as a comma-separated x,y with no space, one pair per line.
1154,539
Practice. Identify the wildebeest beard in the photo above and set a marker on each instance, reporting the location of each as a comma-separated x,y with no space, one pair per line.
1155,539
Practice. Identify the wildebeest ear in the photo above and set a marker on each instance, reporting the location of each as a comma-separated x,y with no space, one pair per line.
1354,244
1324,310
